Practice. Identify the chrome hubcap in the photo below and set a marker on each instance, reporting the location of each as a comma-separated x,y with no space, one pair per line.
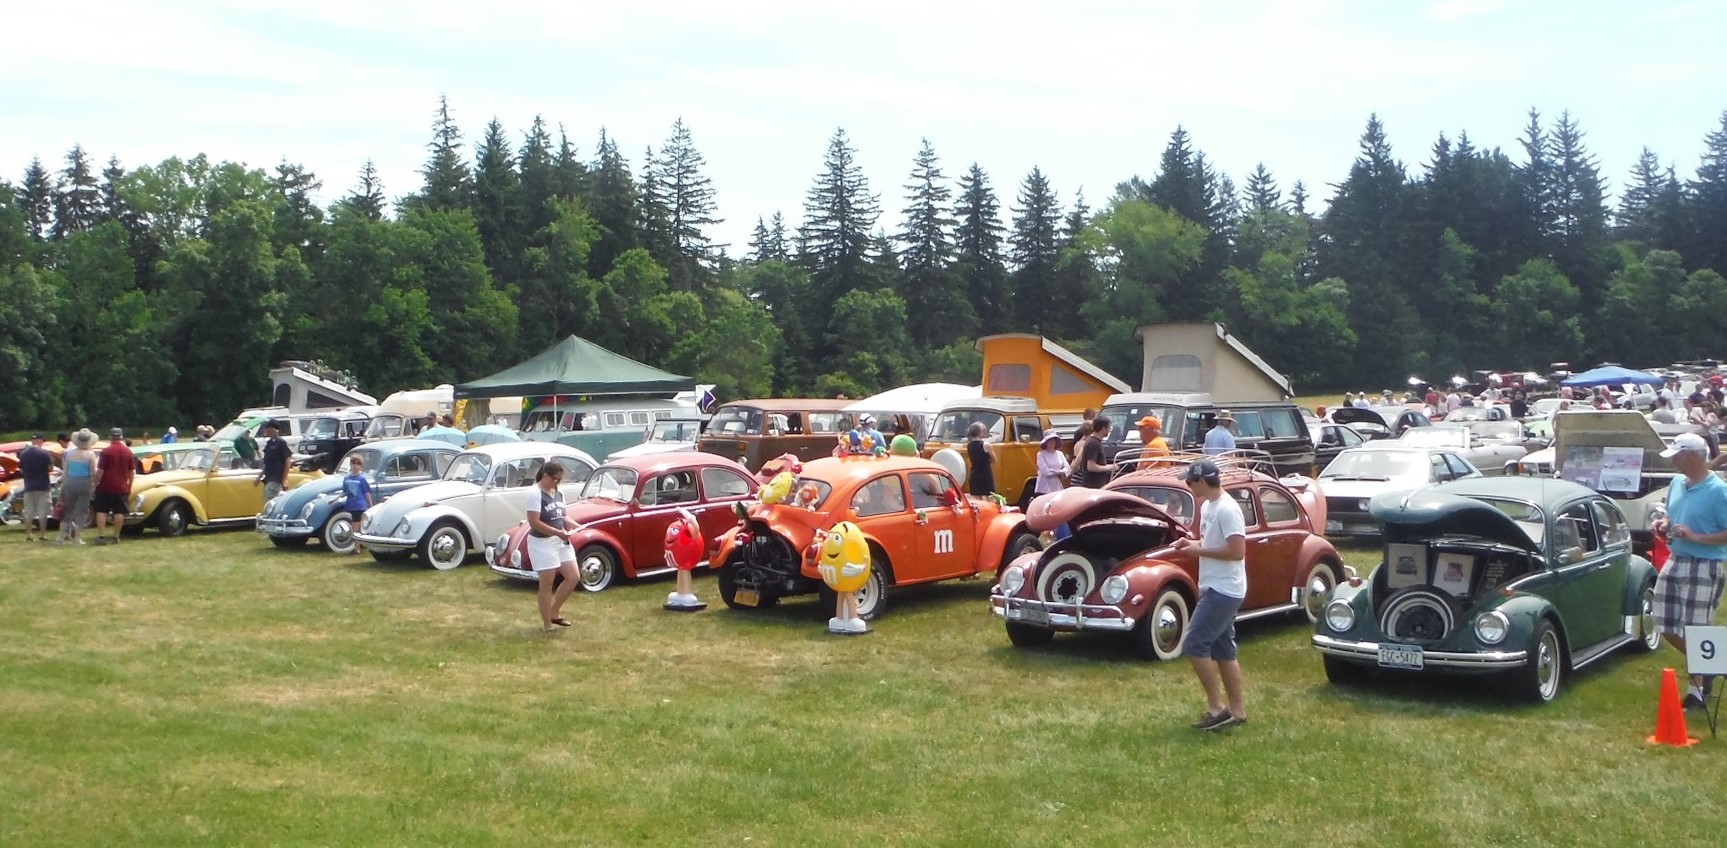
443,547
176,520
1547,664
1166,625
1650,636
595,570
1317,588
341,533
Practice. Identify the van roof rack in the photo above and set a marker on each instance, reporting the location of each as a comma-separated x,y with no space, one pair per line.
1240,459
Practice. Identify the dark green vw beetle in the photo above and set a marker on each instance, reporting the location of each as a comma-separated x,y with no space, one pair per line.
1526,577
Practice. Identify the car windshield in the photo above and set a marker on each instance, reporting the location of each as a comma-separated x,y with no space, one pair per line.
230,432
818,491
1123,415
736,421
1527,515
1544,406
1177,502
1435,437
612,483
369,459
1375,465
673,431
384,427
953,426
321,428
198,460
471,467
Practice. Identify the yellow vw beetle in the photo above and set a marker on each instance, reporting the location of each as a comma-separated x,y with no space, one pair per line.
212,486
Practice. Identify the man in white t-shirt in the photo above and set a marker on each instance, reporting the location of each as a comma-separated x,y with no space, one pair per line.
1452,401
1222,552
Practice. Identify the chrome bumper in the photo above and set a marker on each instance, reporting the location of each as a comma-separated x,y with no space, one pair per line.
284,527
1369,652
1076,616
522,574
385,543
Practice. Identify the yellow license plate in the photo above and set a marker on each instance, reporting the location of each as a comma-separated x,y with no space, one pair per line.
747,598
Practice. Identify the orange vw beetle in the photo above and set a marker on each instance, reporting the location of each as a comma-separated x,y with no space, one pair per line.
920,525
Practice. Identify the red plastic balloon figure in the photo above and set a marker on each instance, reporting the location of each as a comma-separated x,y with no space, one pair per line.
684,552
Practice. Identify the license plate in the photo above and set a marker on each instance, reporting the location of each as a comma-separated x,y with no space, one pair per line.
1400,656
747,598
1034,615
1333,526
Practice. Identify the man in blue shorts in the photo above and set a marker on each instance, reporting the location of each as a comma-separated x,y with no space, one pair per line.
1222,552
1689,588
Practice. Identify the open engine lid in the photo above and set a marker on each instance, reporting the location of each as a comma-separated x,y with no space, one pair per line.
1427,514
1079,506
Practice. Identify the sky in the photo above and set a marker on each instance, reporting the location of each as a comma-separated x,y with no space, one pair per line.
1088,91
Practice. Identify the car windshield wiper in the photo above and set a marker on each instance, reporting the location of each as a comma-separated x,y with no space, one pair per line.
1375,479
1340,477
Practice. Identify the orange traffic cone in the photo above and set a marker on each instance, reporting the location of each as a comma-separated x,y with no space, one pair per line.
1670,715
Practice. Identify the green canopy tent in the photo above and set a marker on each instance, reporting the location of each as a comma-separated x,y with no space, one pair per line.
576,366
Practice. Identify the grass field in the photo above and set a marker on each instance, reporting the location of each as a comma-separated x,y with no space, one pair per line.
212,690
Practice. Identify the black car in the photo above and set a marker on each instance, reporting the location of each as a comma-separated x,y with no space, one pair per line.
329,438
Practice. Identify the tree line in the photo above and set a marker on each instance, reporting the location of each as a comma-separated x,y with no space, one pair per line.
165,292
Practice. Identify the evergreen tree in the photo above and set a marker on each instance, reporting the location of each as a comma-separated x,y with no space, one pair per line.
1076,275
1580,214
36,200
936,309
77,198
1363,240
298,222
367,198
978,252
655,221
569,176
497,202
1298,198
839,215
1535,184
612,201
1035,254
1706,205
1262,193
449,183
687,198
759,241
537,178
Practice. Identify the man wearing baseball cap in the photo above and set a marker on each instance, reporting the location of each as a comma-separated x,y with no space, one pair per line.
1222,553
1688,589
114,468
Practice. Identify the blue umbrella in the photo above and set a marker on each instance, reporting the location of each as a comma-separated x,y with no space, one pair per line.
487,434
446,434
1612,375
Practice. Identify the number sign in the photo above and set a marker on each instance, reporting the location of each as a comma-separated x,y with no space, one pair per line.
1706,650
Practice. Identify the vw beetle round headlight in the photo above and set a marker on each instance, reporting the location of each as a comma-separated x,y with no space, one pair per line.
306,511
1491,627
138,504
1013,581
1114,589
1361,504
403,528
1339,616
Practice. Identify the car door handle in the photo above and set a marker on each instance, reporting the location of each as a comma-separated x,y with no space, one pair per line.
922,517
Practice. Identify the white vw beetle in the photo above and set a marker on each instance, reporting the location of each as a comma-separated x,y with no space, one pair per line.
482,494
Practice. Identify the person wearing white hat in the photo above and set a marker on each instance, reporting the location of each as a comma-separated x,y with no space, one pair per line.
1688,590
172,436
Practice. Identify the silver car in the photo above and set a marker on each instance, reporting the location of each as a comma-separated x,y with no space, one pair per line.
1357,474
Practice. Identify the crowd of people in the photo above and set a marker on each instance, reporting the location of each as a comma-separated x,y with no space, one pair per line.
92,484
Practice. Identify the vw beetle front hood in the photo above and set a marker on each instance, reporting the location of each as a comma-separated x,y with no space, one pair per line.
1426,514
408,500
1079,506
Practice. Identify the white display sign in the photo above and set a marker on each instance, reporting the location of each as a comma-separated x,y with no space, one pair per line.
1621,469
1706,650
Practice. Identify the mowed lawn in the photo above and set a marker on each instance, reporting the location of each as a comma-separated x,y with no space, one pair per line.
212,690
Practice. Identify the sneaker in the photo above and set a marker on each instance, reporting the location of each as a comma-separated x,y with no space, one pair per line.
1226,720
1694,700
102,540
1211,720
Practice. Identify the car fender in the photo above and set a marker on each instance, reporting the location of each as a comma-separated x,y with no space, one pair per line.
1150,577
797,526
591,536
1639,574
422,519
1523,611
1317,549
992,542
155,497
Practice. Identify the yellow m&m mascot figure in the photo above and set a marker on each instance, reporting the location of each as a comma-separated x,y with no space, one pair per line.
845,567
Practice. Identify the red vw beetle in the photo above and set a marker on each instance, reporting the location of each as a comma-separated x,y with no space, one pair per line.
1117,572
623,512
